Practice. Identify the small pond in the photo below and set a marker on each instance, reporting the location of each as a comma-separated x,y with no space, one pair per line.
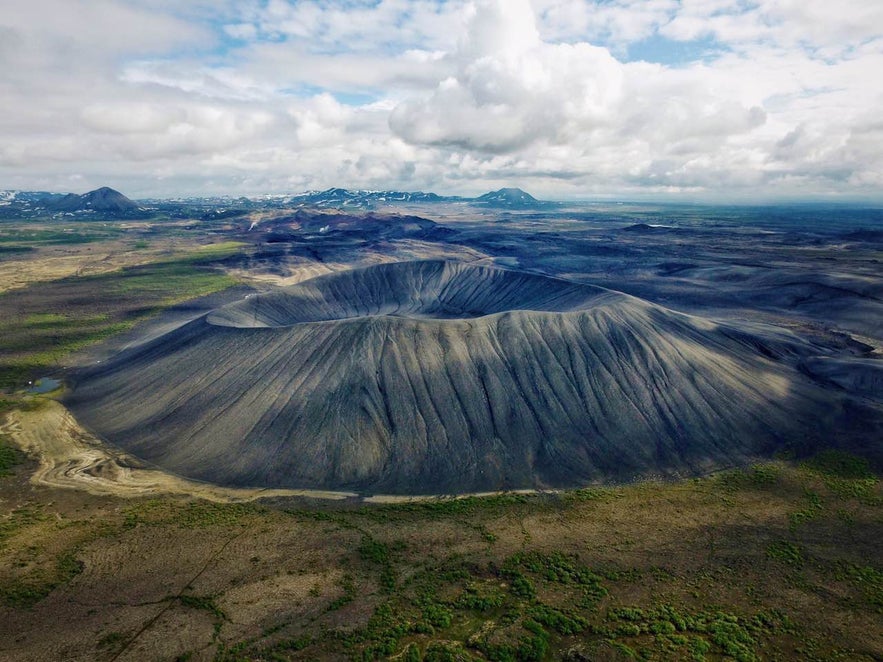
44,385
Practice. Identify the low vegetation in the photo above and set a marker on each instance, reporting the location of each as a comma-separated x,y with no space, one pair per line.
40,328
659,571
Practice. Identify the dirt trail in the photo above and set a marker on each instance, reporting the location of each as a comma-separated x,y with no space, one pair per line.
72,458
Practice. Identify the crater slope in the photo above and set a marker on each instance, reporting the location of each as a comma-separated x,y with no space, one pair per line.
435,377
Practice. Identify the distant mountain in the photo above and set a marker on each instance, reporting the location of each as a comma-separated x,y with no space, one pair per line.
341,197
9,197
514,198
25,204
107,203
103,199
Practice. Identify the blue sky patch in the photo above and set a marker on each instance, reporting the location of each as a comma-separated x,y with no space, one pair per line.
669,52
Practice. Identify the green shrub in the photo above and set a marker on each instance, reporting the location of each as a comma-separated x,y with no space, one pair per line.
558,620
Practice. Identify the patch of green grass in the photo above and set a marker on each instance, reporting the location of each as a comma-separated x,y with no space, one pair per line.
68,236
349,593
278,650
25,592
448,507
758,476
202,602
869,580
475,599
19,519
789,553
584,495
499,621
439,651
839,464
381,637
762,475
437,615
812,510
530,647
9,457
111,640
189,515
521,586
218,251
377,552
845,475
281,649
14,250
166,283
39,329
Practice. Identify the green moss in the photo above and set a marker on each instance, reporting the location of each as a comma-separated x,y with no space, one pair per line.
447,507
9,457
530,647
845,475
759,476
590,494
812,510
190,515
786,552
25,592
373,551
437,615
840,465
386,627
19,519
868,580
763,475
25,238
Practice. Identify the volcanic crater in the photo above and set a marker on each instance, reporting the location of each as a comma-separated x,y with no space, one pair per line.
433,377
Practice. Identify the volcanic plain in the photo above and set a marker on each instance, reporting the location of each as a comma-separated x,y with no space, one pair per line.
442,431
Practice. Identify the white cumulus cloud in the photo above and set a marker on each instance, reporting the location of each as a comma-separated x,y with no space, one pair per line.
574,98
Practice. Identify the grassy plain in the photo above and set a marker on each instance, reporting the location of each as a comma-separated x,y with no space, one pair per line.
43,322
778,561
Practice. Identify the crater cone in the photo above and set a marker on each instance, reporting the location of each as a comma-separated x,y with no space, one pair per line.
434,377
421,290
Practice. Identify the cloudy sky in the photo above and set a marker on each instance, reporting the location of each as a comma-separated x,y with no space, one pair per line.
730,100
